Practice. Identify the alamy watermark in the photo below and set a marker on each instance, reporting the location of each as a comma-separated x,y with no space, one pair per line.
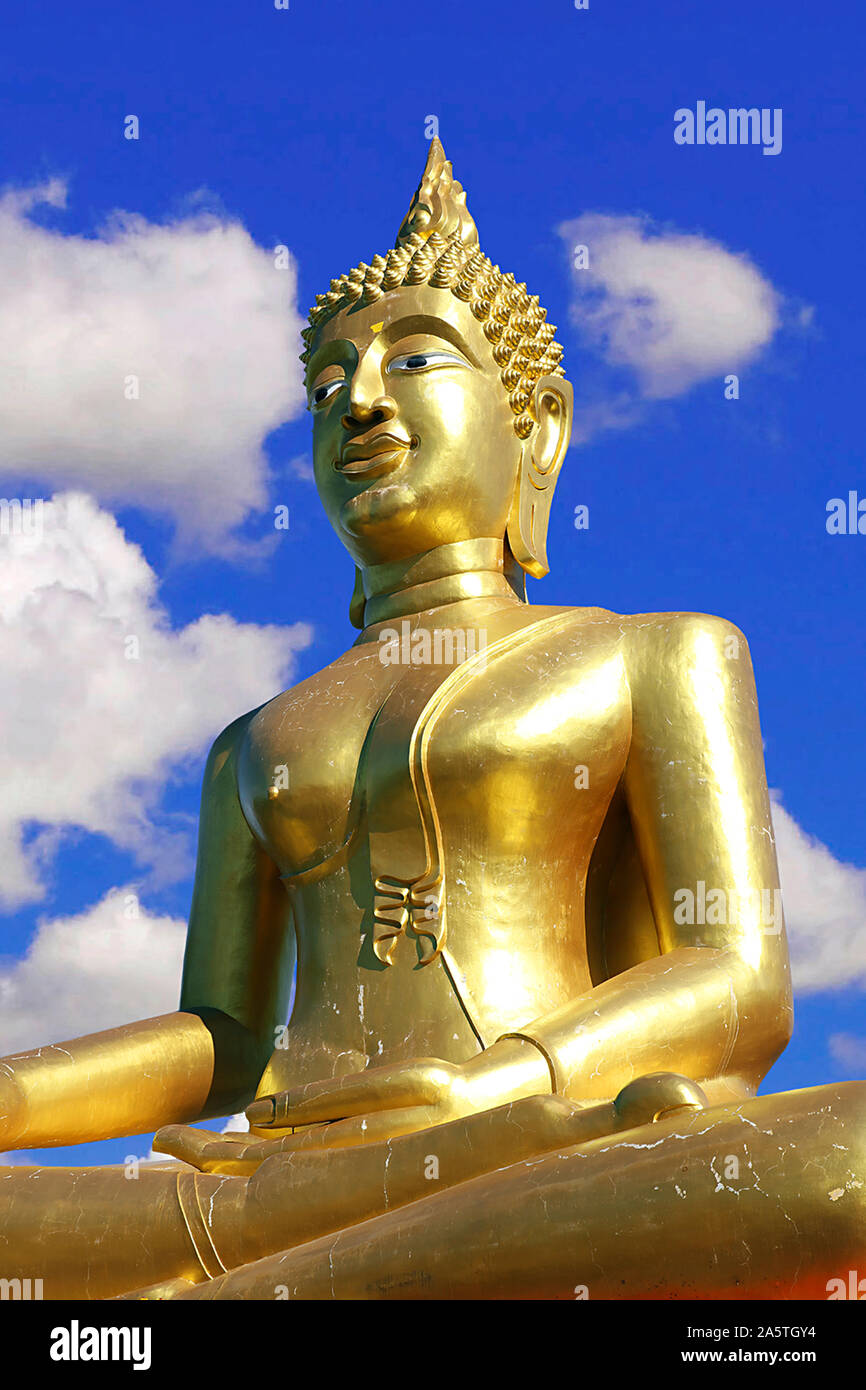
723,907
738,125
22,516
23,1290
846,517
852,1287
77,1343
448,646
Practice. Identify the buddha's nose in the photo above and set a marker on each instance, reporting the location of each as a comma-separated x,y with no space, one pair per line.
367,404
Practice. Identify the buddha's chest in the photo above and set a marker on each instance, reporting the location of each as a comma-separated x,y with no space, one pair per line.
515,749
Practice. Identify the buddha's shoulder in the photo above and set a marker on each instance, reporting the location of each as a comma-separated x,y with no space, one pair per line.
546,624
229,743
354,681
226,746
675,634
650,647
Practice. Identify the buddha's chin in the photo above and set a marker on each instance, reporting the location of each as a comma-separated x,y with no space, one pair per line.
379,509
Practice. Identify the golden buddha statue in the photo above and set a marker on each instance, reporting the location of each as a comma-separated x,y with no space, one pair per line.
518,1063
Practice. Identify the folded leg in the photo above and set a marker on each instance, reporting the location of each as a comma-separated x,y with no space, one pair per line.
96,1232
763,1199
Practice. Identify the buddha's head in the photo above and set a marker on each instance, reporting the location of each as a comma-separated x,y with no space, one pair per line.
440,411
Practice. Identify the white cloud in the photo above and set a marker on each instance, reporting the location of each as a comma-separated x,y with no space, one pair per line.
675,308
301,466
849,1051
99,969
194,310
825,909
96,735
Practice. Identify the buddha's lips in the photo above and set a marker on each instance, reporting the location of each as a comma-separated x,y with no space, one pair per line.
372,451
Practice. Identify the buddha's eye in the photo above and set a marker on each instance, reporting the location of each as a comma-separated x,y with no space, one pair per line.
424,361
320,395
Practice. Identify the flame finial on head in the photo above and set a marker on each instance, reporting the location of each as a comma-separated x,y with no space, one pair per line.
437,245
439,205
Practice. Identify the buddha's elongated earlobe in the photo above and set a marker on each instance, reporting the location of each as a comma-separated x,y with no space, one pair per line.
514,573
357,601
541,459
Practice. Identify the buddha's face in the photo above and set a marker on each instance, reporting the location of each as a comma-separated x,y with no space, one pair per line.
413,435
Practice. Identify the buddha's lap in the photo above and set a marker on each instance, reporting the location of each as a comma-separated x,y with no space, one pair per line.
765,1199
790,1168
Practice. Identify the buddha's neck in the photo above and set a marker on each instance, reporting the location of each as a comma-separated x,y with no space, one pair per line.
448,574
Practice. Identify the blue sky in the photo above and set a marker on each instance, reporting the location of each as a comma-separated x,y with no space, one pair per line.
306,128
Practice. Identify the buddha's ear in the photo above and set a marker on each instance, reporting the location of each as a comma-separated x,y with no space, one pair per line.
542,457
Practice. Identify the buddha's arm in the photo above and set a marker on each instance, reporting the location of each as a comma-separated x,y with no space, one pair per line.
716,1002
123,1081
204,1060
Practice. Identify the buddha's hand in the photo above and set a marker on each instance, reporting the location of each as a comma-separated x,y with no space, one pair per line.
366,1107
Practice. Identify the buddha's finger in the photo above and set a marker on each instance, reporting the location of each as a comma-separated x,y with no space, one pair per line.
321,1102
179,1141
232,1154
245,1158
366,1129
198,1145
